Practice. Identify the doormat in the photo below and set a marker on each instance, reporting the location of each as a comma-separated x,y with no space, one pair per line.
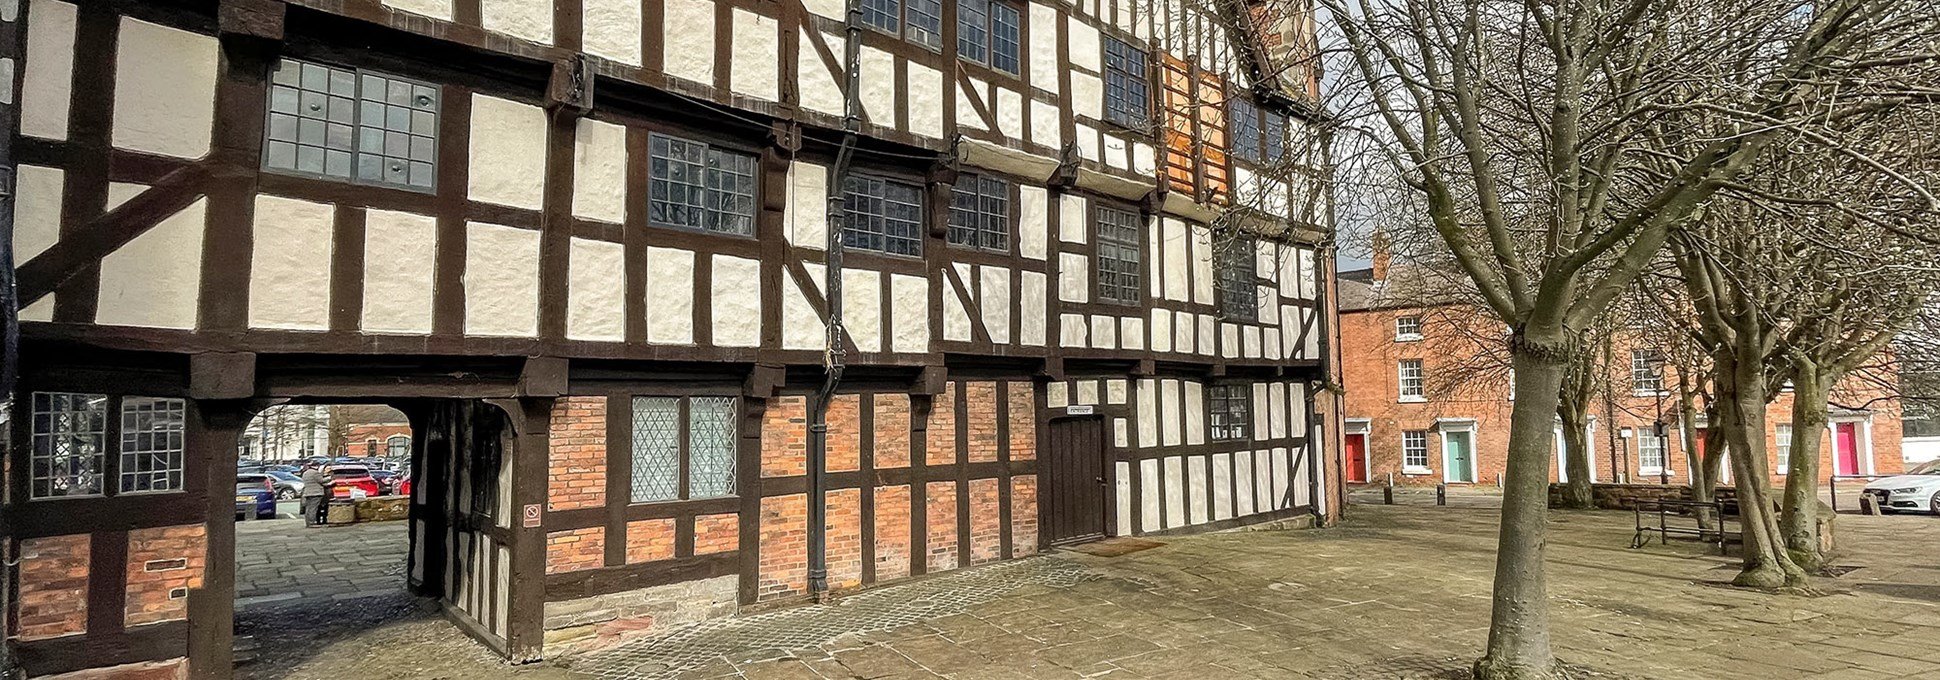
1115,547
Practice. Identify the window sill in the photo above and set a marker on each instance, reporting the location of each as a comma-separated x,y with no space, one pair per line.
1408,338
1656,474
1650,393
1413,400
1416,471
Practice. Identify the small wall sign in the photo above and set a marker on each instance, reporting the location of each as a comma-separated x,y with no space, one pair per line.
1079,409
532,515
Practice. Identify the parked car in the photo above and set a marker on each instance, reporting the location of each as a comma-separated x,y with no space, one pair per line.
1917,490
404,484
343,478
255,496
289,487
386,481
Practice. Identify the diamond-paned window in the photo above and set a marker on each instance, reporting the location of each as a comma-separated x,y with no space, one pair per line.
69,444
696,186
980,212
883,215
1246,130
1235,272
656,449
1119,255
712,445
352,125
151,444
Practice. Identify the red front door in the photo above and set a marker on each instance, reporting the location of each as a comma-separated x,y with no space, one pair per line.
1357,458
1845,441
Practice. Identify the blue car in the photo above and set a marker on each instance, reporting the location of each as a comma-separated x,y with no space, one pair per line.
255,496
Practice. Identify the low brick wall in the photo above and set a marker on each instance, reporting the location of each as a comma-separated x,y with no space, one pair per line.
1620,496
601,621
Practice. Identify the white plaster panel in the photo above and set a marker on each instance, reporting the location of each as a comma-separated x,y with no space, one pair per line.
1087,97
1148,496
599,171
995,302
687,42
1262,481
1175,492
1010,113
596,291
1271,347
1281,500
757,56
524,19
1269,306
508,152
801,327
1266,257
1072,330
1202,265
1155,268
1296,410
1182,331
154,280
1169,412
956,317
1145,159
1174,274
1082,40
400,266
1044,46
1047,124
1074,277
36,210
1131,332
736,287
1222,486
862,308
1229,340
1260,406
1031,313
436,9
1057,394
1033,222
1289,275
1116,151
46,89
289,280
670,296
1243,477
612,29
1087,138
1206,344
909,318
42,309
926,102
1121,434
1104,331
501,280
165,89
833,9
1148,413
1249,341
808,205
879,86
819,89
1305,258
1276,405
1290,331
1195,413
1161,330
1198,512
1312,344
967,93
1122,492
1072,219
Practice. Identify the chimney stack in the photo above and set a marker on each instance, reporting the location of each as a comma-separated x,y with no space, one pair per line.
1382,256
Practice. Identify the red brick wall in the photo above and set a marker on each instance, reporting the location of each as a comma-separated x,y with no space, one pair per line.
940,515
163,564
845,433
53,594
783,568
892,431
784,437
1023,516
941,435
980,413
892,532
358,438
844,538
1023,420
575,550
986,522
576,458
717,533
649,539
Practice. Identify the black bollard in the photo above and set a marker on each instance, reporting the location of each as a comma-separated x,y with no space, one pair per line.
1387,493
1441,494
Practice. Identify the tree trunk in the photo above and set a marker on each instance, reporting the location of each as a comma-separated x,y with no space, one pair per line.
1519,622
1741,396
1577,494
1799,520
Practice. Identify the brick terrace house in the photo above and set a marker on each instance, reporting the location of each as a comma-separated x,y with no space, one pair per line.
584,246
1427,403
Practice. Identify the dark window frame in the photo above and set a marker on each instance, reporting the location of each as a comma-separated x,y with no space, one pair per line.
115,462
1127,72
709,208
926,33
853,214
684,469
1229,412
1111,247
986,223
420,147
980,34
1236,278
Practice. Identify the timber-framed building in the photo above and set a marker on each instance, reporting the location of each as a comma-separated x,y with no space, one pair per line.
583,245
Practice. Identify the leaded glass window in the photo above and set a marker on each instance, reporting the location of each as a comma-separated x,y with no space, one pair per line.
883,215
69,444
1005,36
699,436
1118,256
352,125
1236,269
883,14
1246,130
973,30
151,444
1275,136
656,449
980,212
1126,94
925,23
1230,408
697,186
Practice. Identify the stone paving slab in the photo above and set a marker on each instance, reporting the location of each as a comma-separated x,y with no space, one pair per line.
280,561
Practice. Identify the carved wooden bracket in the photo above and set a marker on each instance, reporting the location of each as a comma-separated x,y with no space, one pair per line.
570,90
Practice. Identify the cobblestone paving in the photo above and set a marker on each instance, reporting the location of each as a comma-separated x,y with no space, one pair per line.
1396,592
280,561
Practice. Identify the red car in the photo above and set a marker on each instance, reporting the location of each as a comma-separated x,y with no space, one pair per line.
344,478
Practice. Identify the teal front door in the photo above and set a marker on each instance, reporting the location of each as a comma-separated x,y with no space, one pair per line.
1458,455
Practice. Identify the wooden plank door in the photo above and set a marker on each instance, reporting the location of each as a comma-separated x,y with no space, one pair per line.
1073,503
1846,441
1357,458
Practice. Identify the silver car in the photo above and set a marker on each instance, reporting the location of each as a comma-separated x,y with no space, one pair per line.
1918,490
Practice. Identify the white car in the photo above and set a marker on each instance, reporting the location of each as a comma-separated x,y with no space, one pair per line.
1917,490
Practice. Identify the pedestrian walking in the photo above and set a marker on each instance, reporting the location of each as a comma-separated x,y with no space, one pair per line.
316,494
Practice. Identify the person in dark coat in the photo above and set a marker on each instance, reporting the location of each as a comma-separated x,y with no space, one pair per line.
316,495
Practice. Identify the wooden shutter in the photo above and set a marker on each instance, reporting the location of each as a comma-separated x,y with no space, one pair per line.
1175,84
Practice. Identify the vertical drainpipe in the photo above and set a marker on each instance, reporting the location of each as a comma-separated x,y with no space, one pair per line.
832,356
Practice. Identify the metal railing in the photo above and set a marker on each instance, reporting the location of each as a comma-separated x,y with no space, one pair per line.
1832,488
1666,509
